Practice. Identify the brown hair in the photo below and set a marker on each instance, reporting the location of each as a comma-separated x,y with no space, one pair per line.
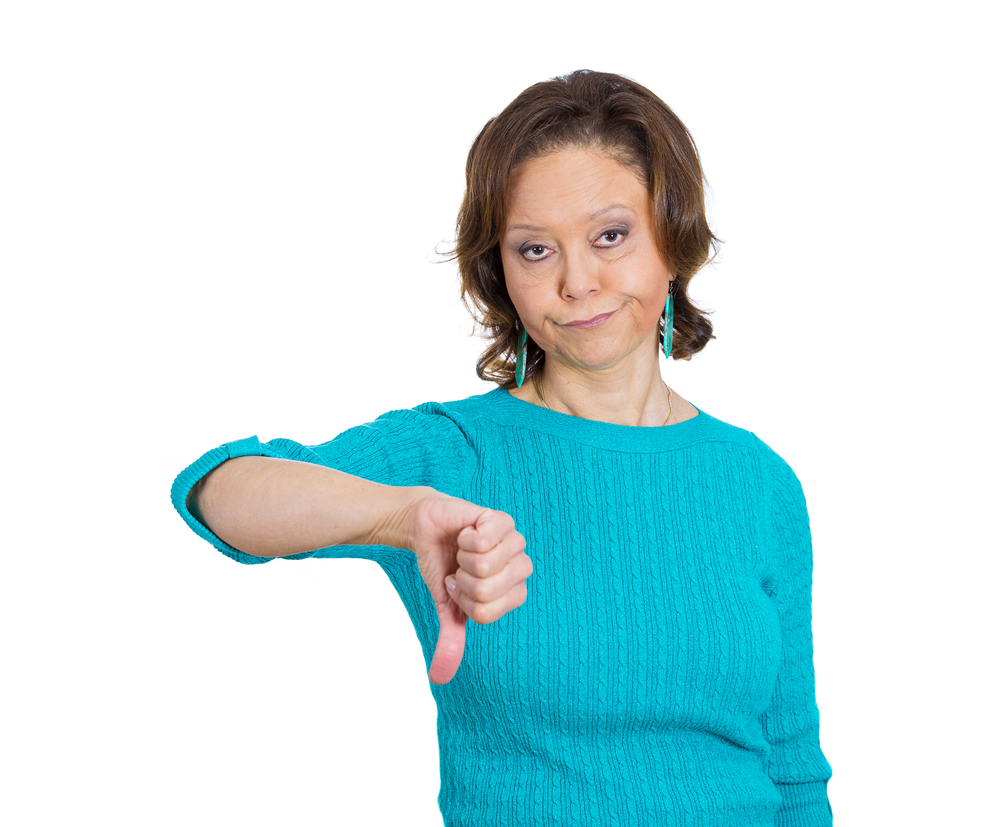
616,116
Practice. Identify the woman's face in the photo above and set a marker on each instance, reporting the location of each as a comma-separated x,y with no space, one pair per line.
580,259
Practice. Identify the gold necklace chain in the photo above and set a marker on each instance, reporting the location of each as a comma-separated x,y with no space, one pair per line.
538,390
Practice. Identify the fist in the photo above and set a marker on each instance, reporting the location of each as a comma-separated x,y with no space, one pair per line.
473,562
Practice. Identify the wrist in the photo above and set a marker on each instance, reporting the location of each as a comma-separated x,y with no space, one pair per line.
396,527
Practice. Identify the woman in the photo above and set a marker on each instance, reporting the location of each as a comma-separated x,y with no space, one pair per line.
659,670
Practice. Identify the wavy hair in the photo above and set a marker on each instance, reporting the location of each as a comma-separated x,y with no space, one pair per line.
613,115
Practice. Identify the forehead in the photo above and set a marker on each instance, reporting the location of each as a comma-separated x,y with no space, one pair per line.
572,184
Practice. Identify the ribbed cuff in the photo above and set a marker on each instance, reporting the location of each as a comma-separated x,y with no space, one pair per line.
804,805
186,479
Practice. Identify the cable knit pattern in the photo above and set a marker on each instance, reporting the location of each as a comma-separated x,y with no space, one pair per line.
660,672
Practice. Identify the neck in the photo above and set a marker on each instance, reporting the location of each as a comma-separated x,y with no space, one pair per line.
622,395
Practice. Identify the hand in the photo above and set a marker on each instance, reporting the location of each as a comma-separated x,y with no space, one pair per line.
473,562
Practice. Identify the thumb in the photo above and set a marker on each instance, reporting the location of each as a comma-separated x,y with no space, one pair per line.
450,643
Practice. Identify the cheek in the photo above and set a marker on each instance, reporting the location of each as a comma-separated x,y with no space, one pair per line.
511,283
647,280
657,278
646,311
523,294
653,313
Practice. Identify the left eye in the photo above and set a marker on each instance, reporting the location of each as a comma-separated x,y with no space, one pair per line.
611,237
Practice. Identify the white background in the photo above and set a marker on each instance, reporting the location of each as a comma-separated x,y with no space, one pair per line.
220,219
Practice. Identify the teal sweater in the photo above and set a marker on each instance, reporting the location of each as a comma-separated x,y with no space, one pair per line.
660,671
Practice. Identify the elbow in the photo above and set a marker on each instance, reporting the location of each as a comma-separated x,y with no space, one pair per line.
193,502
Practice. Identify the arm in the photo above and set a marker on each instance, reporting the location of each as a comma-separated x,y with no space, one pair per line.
791,723
471,558
271,507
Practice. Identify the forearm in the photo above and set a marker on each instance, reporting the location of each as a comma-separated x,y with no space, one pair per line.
271,507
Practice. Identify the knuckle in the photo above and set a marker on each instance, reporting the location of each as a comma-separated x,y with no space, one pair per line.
481,614
473,564
480,592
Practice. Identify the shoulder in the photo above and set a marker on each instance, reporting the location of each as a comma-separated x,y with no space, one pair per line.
722,431
775,462
471,408
430,423
443,416
429,444
776,471
786,496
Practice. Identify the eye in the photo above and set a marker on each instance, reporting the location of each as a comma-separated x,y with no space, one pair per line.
534,252
612,238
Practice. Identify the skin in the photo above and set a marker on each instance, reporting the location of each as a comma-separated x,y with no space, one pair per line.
580,243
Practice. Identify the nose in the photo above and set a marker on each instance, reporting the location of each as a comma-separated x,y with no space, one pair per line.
580,276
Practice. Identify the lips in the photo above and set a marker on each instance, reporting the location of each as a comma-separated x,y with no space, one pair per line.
594,322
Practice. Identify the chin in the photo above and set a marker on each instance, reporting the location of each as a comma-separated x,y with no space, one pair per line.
594,361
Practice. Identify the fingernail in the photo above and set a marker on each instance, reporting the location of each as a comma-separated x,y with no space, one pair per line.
450,583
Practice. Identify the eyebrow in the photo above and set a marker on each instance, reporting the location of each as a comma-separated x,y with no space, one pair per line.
609,208
594,215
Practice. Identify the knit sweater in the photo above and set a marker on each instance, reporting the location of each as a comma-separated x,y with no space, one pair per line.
660,671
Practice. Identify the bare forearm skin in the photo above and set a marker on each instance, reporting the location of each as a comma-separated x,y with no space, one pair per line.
271,507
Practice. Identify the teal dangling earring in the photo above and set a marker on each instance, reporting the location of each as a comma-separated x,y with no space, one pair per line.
522,355
668,323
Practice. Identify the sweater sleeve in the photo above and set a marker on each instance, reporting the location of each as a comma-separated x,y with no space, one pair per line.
790,724
422,446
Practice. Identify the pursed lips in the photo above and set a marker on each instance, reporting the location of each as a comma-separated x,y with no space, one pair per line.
593,322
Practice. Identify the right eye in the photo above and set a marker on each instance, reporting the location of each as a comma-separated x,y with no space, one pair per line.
534,252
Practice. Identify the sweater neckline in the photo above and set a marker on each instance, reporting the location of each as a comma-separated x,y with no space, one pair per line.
509,410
